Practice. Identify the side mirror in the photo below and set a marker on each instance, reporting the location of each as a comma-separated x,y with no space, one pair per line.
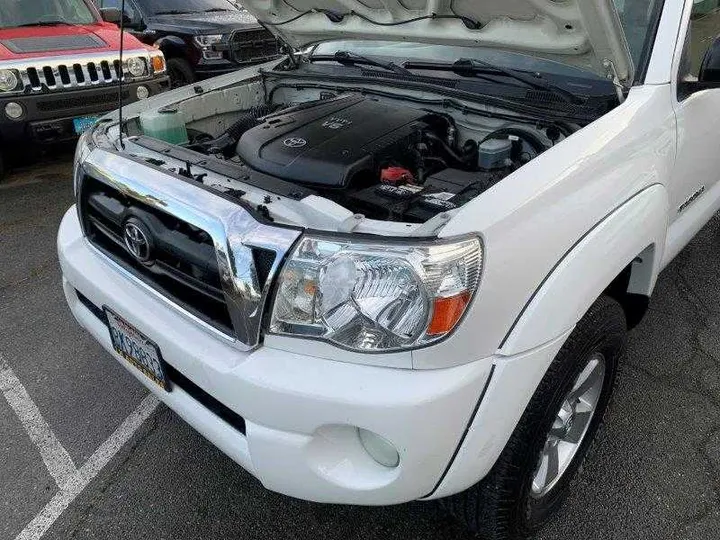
709,76
114,16
710,68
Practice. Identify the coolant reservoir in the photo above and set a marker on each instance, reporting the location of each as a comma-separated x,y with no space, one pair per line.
165,124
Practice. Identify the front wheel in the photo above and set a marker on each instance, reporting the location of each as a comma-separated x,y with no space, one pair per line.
532,475
180,72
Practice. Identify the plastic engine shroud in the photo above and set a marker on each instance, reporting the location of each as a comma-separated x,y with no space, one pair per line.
328,143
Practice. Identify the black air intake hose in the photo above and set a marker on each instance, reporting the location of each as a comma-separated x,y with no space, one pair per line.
248,120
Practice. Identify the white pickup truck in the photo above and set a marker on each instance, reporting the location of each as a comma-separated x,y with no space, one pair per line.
401,263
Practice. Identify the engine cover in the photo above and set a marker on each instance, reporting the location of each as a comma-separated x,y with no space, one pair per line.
328,143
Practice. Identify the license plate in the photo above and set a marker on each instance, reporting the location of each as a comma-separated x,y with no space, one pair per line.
137,349
84,123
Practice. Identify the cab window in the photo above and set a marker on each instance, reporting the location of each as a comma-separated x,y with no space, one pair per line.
704,28
130,10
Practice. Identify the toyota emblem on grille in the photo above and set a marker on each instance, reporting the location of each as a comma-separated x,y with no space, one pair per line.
295,142
137,241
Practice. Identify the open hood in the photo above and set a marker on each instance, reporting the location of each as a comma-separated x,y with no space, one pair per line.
584,33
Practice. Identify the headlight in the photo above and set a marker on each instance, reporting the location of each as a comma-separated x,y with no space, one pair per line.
208,40
8,80
206,43
376,296
137,67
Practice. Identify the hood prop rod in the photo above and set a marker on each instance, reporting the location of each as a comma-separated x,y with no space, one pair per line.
612,74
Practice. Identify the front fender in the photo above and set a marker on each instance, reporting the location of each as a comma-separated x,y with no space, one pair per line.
170,44
638,226
533,219
556,307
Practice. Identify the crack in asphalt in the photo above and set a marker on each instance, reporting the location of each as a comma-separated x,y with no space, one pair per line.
710,462
686,291
677,380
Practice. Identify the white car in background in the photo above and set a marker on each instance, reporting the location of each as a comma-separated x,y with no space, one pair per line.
402,264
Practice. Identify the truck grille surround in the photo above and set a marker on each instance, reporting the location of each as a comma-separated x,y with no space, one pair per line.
183,265
67,73
218,268
253,46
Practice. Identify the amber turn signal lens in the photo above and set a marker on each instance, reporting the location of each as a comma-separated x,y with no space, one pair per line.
158,64
447,313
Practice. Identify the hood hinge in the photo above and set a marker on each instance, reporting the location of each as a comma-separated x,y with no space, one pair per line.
612,75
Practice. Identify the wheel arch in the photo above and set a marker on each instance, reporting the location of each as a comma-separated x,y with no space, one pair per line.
171,46
621,256
633,286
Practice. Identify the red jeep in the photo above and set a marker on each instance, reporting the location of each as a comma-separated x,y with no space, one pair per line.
59,70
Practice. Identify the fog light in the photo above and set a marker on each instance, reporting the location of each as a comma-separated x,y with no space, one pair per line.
143,92
14,110
379,449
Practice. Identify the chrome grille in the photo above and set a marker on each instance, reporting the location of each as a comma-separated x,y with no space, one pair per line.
184,267
63,73
232,287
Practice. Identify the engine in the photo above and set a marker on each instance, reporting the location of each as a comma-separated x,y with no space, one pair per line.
332,144
384,161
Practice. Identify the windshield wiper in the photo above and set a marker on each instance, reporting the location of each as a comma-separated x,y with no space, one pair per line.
348,58
467,67
175,12
215,10
46,23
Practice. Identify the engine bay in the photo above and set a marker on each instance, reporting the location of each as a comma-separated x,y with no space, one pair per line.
381,160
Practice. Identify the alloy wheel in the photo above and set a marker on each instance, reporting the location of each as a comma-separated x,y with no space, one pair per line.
570,426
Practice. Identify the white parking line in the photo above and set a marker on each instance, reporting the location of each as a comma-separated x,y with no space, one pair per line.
57,505
57,460
70,480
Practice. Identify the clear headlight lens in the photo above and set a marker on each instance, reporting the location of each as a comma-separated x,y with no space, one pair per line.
8,80
206,43
136,66
376,296
208,40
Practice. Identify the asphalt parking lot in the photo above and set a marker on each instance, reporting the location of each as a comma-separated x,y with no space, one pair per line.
132,469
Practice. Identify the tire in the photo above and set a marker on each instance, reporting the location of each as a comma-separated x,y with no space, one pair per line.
180,72
511,502
2,167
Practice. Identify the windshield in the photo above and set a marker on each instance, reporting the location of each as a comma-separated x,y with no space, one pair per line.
16,13
187,6
639,20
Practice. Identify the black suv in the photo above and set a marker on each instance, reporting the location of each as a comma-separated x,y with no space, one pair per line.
200,38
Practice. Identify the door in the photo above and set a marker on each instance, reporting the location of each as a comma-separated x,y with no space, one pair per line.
697,168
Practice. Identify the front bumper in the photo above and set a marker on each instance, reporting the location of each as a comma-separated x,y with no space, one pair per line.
301,413
49,116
